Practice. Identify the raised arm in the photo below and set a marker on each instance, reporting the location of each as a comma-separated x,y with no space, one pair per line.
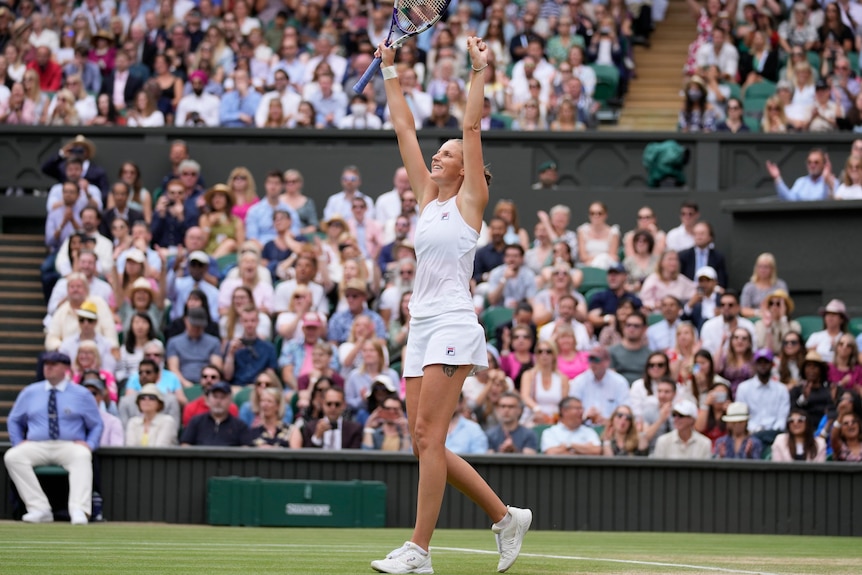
474,190
405,129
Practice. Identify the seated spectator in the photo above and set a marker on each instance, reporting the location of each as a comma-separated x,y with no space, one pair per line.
734,122
190,278
386,428
249,411
760,62
657,419
561,302
304,271
850,187
356,293
598,242
69,442
603,305
465,436
516,356
764,280
788,362
331,430
91,353
511,282
151,428
612,333
88,318
629,356
542,251
767,399
361,381
847,438
721,53
662,334
814,393
112,427
703,254
145,114
83,103
230,324
817,185
798,30
490,256
142,298
250,275
646,221
714,334
93,240
99,290
717,92
600,389
543,386
683,442
151,370
696,115
736,364
189,352
209,375
216,427
509,436
65,322
170,220
775,323
682,354
737,444
844,370
570,361
710,417
835,321
226,232
656,368
825,112
362,116
271,430
245,357
621,436
140,332
196,299
63,112
119,206
294,353
198,107
556,222
799,443
570,436
64,220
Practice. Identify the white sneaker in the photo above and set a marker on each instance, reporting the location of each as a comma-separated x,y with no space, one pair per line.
510,537
78,517
38,516
408,558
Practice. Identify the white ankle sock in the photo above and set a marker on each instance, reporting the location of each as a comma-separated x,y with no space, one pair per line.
502,523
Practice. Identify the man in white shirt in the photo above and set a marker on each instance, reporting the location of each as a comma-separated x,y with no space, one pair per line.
662,335
566,307
533,66
42,36
97,286
767,398
683,442
199,108
719,53
324,50
74,173
600,388
341,203
291,63
570,436
289,99
104,248
715,333
682,237
388,204
704,303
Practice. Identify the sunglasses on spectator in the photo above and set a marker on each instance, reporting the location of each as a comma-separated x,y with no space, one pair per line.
796,420
209,376
544,351
657,364
520,336
264,383
86,320
333,404
622,415
775,303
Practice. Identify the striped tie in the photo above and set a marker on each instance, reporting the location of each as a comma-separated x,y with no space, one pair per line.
53,420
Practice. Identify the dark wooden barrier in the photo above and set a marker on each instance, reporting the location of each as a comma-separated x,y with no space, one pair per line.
596,494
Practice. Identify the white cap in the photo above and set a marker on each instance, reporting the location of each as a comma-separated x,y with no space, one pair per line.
136,255
706,272
199,256
685,407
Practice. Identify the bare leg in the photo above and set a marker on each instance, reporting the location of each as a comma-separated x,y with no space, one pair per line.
431,402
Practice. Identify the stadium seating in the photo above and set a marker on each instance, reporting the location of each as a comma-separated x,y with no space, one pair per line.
593,278
809,324
494,317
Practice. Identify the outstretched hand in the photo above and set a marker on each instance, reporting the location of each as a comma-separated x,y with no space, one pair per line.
478,52
773,170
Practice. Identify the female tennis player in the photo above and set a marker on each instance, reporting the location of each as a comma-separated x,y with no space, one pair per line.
446,341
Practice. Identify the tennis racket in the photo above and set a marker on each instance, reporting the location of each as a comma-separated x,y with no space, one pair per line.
411,17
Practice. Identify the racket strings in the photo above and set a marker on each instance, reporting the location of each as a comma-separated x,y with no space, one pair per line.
416,15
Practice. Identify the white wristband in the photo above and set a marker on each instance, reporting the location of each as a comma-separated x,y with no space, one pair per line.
389,72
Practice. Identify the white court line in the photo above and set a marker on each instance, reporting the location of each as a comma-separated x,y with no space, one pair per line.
607,560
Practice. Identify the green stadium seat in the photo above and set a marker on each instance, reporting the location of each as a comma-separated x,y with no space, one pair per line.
539,430
752,123
764,90
225,263
243,395
654,318
854,61
809,324
593,278
855,326
591,292
193,392
607,82
50,470
494,317
505,118
814,60
735,91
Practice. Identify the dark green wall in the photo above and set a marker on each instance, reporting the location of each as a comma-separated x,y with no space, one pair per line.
594,166
595,494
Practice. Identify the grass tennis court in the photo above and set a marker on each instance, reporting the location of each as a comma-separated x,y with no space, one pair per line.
155,548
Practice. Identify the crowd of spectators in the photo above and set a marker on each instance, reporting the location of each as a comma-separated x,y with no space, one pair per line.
266,63
219,314
773,67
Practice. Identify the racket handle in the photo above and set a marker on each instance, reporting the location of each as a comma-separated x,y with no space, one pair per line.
366,77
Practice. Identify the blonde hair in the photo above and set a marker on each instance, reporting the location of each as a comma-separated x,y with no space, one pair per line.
766,122
508,204
276,393
35,89
846,179
251,190
768,258
89,345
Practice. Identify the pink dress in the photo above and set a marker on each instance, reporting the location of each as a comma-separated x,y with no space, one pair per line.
110,382
574,367
242,211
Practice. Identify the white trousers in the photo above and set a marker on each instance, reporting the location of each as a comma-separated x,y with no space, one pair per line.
73,457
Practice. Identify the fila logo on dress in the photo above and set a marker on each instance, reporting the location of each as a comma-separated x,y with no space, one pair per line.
444,217
450,350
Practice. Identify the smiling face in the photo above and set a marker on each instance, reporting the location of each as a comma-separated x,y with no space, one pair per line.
448,162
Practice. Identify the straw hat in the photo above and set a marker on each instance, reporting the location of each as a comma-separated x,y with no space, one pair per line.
788,301
81,141
220,189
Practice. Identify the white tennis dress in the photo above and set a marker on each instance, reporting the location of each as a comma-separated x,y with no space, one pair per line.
444,328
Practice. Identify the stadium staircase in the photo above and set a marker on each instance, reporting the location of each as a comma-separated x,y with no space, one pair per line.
653,100
22,308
